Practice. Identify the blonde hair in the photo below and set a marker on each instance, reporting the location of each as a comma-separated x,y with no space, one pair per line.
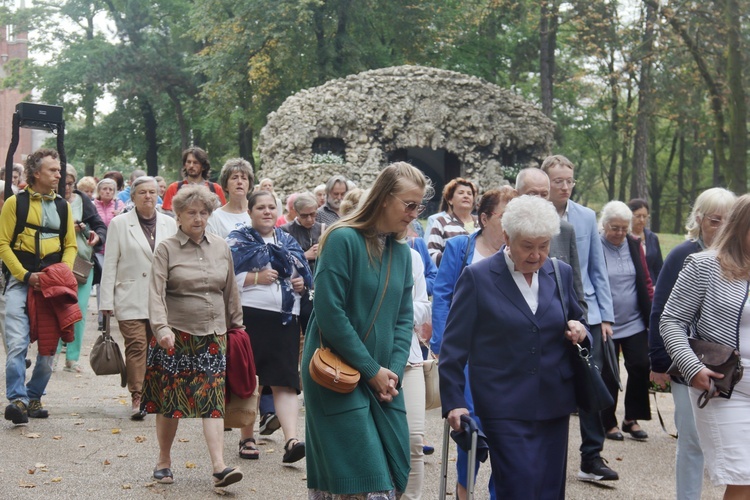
350,201
709,201
731,242
394,179
87,182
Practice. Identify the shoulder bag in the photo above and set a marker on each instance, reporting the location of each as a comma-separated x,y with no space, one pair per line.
105,357
719,358
591,394
82,269
328,369
431,382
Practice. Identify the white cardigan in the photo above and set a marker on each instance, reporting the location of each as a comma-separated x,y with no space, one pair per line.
127,265
702,301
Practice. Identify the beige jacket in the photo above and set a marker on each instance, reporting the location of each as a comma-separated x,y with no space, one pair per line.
127,265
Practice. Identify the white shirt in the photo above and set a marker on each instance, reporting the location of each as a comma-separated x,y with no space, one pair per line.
222,223
265,297
530,292
422,305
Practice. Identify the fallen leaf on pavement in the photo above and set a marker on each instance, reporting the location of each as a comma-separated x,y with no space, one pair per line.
122,402
183,440
189,465
115,431
107,462
57,438
127,487
32,471
220,491
93,429
32,435
56,479
122,455
81,445
140,439
26,485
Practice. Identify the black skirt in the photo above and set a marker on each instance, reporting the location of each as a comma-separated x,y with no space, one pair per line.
275,347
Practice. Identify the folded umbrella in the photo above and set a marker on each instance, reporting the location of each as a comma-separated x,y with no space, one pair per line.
610,360
463,438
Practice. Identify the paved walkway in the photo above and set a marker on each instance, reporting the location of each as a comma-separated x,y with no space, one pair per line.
89,448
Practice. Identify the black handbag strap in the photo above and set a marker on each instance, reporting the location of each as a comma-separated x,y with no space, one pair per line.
560,290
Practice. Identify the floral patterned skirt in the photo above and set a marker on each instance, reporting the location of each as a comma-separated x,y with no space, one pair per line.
186,381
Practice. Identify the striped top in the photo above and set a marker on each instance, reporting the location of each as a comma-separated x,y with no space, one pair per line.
704,301
445,227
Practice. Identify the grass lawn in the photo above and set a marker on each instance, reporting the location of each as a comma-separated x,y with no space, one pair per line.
669,241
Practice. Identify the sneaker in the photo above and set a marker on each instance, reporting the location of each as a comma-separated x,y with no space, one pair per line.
596,470
269,423
36,410
16,412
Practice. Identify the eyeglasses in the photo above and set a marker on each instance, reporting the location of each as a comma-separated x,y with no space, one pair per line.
410,207
564,182
619,229
714,221
306,216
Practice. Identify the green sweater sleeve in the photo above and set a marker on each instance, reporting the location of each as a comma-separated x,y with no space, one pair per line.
337,303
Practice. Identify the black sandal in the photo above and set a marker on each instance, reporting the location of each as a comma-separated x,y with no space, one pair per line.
164,476
245,447
228,476
295,452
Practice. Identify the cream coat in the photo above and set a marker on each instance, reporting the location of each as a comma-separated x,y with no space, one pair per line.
127,265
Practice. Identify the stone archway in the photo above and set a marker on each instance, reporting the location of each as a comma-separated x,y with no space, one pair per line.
445,122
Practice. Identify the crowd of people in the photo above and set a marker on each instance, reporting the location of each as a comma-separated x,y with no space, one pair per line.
500,287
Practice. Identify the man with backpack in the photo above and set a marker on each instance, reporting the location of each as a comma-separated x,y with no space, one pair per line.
36,231
195,168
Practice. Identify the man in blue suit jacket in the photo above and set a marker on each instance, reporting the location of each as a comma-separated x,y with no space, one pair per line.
507,319
597,293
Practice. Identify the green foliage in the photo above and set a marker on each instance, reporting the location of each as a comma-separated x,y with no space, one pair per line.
209,72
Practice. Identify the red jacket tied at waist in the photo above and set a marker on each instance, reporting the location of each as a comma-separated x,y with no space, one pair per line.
54,309
240,365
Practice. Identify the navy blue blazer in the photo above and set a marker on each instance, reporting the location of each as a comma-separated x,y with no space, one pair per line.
520,363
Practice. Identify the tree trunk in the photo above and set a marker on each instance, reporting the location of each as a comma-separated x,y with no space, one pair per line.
152,148
614,128
179,113
548,23
737,106
639,181
339,41
245,139
678,217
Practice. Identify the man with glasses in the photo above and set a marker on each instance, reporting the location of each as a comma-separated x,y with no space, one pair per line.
598,297
307,231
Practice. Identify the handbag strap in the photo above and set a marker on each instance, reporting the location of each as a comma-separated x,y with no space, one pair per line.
382,296
556,267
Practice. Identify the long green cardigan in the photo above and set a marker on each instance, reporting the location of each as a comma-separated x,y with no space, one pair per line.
355,444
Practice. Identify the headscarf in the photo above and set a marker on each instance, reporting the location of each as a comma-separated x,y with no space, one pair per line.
251,254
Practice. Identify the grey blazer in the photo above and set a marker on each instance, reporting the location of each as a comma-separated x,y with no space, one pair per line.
563,247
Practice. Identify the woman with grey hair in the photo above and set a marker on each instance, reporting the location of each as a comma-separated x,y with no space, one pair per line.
507,317
632,293
131,240
236,179
193,302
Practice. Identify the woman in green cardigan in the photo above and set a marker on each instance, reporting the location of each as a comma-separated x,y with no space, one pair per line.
358,443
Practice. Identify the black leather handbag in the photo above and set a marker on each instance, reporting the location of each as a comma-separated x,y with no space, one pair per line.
591,394
719,358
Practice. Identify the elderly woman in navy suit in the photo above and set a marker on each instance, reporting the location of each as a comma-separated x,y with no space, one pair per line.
507,320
